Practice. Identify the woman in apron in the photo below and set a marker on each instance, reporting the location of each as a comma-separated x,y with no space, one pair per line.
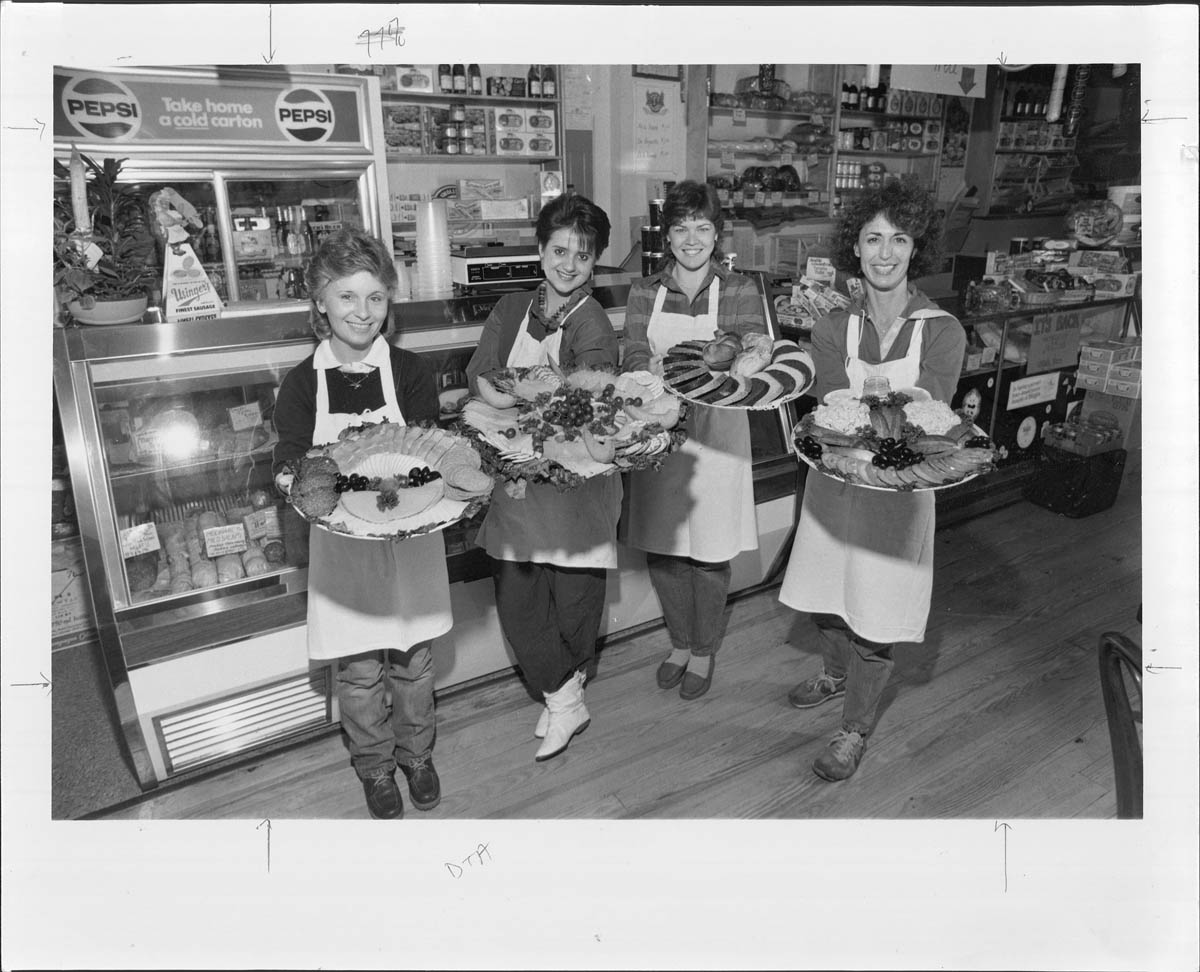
373,606
862,560
550,550
696,513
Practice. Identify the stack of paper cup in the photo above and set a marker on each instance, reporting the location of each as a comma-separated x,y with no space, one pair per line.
433,251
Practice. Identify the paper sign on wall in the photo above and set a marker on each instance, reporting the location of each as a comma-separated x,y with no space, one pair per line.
960,80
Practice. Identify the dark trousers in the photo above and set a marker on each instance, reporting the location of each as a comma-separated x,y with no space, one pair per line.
692,594
551,616
380,731
866,666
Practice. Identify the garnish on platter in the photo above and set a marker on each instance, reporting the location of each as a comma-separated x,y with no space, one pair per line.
539,425
391,481
750,371
898,441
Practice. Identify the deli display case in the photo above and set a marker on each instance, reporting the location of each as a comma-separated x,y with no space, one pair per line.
196,567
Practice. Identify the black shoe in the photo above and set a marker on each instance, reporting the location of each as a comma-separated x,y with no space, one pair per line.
423,784
694,686
383,796
669,675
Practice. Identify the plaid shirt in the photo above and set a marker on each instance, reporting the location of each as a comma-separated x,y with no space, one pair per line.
739,308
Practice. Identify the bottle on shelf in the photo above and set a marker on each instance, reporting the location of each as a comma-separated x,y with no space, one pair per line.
854,97
459,74
1021,103
549,83
474,79
845,94
881,96
285,232
864,96
445,78
533,88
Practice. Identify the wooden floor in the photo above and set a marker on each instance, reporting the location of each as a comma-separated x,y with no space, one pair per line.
997,714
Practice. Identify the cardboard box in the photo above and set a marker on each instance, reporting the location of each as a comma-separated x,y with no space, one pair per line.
540,120
503,208
511,143
416,77
1096,369
479,188
539,144
507,120
1109,352
1130,371
1110,285
1091,382
1125,389
72,619
1126,412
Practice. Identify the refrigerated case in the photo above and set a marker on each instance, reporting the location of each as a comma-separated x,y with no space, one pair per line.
197,570
272,161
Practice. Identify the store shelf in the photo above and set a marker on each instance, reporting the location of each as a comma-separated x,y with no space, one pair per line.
767,114
884,154
1033,151
474,159
855,113
438,97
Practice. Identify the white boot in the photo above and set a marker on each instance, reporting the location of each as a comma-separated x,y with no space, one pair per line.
568,716
543,723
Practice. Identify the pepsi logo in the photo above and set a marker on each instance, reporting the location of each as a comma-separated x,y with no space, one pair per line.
101,107
304,115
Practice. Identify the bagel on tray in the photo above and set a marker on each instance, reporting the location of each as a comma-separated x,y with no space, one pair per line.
732,371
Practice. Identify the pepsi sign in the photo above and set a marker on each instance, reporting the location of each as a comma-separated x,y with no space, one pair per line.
304,115
99,107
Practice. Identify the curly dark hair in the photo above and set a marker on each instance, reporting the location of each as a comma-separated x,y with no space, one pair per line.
904,204
578,214
344,254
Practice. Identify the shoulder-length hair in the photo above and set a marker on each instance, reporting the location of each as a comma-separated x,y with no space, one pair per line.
691,200
344,254
905,205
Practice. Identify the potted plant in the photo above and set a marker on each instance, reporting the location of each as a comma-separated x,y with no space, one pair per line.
104,252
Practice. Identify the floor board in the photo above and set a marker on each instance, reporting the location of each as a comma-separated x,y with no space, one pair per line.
997,714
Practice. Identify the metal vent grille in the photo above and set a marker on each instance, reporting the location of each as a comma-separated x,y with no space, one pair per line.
229,725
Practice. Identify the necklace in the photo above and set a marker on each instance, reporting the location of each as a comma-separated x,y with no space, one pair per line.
358,382
551,321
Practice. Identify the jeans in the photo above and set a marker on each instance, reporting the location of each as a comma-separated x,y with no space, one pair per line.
377,737
692,594
866,666
551,616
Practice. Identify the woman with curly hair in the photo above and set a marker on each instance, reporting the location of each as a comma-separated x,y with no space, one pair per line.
862,561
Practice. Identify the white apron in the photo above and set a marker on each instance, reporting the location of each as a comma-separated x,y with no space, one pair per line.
366,595
862,554
700,504
573,529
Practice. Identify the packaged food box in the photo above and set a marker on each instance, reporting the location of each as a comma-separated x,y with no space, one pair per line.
539,144
1091,382
480,188
539,120
463,209
1126,412
415,77
508,120
1097,369
503,208
1130,371
1123,389
1110,285
1109,352
511,143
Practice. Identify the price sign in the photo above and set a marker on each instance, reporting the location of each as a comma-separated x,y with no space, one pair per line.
146,444
139,539
263,523
222,540
245,416
1032,391
760,198
739,116
726,158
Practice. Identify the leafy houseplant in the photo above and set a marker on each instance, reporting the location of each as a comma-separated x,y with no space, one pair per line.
120,236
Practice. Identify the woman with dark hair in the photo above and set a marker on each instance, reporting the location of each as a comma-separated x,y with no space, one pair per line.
550,550
696,513
374,607
862,560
